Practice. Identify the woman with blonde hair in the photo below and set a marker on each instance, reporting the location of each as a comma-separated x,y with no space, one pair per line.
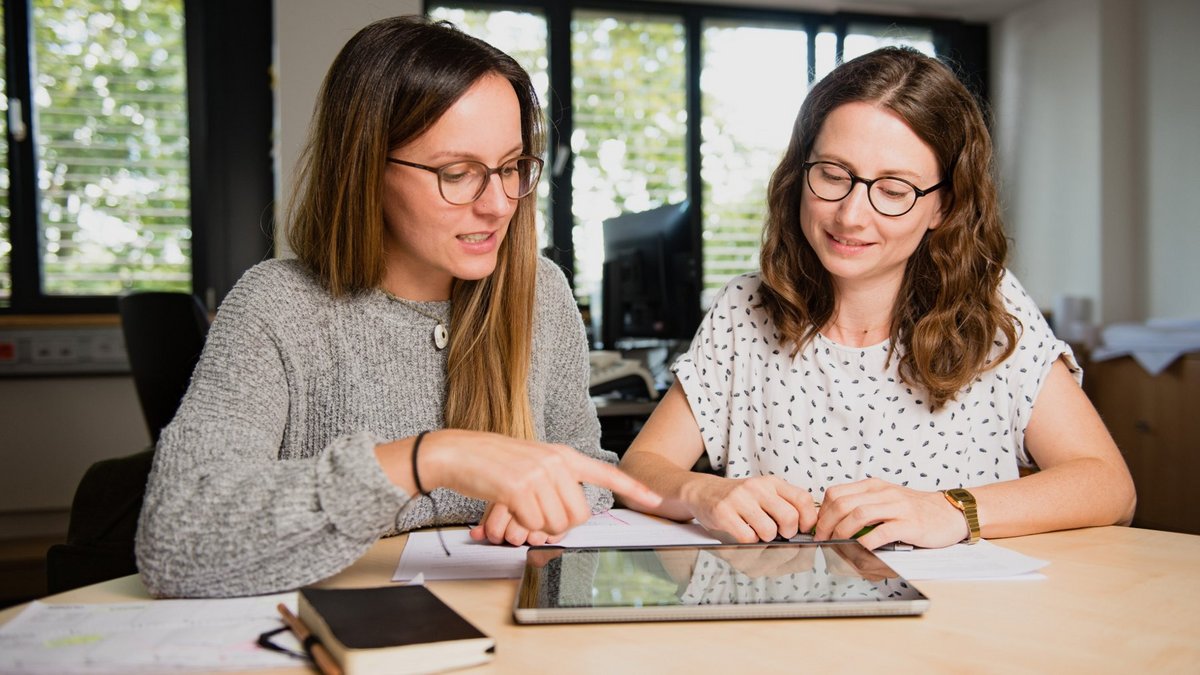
883,375
418,363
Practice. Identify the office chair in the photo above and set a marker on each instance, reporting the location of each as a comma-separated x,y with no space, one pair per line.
164,333
103,524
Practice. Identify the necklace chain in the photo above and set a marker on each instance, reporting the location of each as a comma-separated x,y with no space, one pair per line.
441,335
412,304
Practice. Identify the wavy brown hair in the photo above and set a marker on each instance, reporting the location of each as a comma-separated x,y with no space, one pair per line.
390,83
948,314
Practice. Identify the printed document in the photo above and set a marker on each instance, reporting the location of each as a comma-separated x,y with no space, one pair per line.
154,636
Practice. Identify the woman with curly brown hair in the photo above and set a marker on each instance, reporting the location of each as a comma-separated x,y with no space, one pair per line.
883,375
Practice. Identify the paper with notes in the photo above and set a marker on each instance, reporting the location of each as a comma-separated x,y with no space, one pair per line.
154,636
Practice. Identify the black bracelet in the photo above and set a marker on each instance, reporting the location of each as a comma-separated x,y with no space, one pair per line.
421,491
416,475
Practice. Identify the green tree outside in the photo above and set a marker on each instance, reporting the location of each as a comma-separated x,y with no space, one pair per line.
110,109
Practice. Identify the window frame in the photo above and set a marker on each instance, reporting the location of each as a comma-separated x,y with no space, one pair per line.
228,51
964,42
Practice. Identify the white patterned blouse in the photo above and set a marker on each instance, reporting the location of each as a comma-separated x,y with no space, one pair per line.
834,414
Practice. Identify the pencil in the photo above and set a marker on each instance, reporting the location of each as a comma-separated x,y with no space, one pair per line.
320,655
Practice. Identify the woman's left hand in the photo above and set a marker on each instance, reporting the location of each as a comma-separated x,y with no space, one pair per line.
924,519
499,527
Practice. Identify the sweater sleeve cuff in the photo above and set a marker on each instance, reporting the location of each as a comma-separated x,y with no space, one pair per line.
353,490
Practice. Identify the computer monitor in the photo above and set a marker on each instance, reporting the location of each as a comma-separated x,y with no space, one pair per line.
651,284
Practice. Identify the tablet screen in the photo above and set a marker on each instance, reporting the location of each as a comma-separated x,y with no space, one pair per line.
773,580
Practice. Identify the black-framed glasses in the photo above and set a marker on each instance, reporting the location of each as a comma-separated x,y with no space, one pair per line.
464,181
890,196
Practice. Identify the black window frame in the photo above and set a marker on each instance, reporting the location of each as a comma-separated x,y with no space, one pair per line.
231,173
963,43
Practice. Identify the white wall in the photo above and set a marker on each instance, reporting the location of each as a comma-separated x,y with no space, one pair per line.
51,430
1046,94
1172,116
1122,294
1097,105
308,35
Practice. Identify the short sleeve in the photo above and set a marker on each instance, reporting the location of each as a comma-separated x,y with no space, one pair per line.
1029,365
706,370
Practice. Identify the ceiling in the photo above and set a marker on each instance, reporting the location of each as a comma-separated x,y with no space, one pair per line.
967,10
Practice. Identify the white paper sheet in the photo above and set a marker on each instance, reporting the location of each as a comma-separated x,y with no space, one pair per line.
159,636
622,527
981,561
469,559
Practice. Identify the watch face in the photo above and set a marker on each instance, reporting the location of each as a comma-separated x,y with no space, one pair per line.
961,495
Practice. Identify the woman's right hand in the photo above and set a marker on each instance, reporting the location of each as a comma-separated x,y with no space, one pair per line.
747,510
538,483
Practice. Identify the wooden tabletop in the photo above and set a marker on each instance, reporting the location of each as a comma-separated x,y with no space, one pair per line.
1114,600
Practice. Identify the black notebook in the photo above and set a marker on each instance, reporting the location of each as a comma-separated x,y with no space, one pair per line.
393,629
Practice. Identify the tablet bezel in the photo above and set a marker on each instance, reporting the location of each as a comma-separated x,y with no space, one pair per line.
526,610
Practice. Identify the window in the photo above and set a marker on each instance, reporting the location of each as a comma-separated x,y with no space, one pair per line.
862,38
521,35
106,118
675,101
118,172
629,130
748,110
5,213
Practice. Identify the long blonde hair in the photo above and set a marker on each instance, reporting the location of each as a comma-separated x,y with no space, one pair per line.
390,83
949,311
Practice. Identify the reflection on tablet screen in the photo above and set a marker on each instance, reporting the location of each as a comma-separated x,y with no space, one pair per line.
835,573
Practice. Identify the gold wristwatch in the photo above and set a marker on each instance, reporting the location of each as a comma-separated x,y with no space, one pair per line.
965,501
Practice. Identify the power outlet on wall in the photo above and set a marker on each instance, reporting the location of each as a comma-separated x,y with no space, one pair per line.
62,351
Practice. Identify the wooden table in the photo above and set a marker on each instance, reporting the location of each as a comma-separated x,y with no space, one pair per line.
1115,600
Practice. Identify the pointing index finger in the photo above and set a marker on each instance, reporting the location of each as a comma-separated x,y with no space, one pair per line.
588,470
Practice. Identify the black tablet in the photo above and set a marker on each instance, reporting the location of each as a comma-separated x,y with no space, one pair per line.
682,583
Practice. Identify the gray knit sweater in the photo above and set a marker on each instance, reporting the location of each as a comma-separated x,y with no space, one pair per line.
266,480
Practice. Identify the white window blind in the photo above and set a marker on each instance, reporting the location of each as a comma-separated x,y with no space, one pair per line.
629,94
111,144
